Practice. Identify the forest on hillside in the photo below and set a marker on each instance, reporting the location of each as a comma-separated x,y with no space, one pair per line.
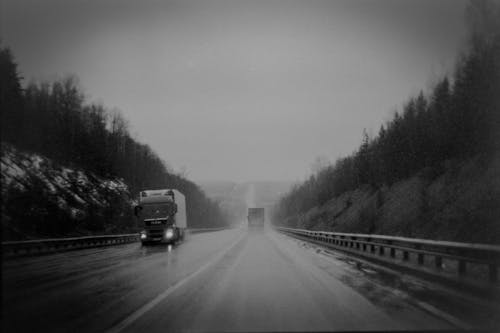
458,120
55,120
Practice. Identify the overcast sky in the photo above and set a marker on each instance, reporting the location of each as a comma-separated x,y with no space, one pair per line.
241,90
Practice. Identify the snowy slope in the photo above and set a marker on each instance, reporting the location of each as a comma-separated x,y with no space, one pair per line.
37,193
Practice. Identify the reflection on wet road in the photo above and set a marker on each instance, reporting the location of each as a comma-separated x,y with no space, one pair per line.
229,280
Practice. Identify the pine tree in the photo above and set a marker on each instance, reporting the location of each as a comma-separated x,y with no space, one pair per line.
11,106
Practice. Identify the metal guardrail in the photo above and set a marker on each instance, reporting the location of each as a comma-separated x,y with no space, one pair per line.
462,253
42,246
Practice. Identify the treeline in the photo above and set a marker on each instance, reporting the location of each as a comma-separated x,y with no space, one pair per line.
55,120
459,119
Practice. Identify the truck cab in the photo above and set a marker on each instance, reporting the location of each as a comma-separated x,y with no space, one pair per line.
162,213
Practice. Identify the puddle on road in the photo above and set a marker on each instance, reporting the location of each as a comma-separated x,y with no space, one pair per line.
395,292
368,271
152,249
386,299
362,277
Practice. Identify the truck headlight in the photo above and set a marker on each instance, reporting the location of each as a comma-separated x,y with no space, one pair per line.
143,235
169,233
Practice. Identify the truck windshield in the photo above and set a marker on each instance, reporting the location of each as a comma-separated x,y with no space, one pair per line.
157,210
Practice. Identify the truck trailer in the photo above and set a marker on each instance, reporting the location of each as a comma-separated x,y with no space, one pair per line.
256,218
162,213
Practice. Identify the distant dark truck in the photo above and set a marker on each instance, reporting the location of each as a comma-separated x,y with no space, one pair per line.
256,218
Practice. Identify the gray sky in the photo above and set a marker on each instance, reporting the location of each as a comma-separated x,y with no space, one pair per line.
241,90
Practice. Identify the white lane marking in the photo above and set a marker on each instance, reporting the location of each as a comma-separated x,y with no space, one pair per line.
443,315
151,304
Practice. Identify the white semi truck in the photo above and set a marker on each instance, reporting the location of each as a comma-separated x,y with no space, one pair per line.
162,213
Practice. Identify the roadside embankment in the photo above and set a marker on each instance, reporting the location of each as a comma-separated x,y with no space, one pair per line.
459,201
41,198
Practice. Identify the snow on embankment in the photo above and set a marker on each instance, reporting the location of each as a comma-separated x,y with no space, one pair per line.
42,198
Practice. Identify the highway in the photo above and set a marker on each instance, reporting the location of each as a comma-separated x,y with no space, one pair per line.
232,280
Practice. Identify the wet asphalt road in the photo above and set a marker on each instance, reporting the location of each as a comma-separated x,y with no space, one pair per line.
232,280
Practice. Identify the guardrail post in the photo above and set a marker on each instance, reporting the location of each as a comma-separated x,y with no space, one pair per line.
438,262
364,247
373,248
493,272
462,267
420,259
392,251
381,250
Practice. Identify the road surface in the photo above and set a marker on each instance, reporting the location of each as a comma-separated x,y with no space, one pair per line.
232,280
